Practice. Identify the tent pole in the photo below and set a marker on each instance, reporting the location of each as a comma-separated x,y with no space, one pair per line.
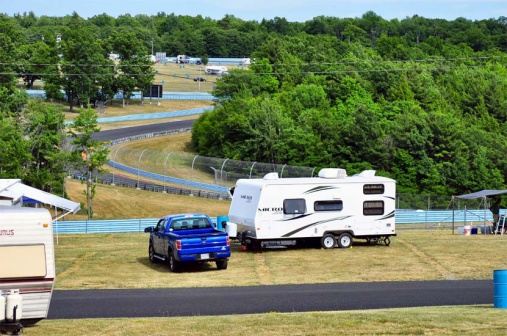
485,199
452,202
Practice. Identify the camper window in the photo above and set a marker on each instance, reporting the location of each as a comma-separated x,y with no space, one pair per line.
373,189
294,206
373,208
334,205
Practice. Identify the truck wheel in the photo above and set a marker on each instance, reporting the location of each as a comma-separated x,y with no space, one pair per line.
328,241
151,254
221,264
174,265
345,240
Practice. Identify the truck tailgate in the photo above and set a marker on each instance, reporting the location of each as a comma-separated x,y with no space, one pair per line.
213,244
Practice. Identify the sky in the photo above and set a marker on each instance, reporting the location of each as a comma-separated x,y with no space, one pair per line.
292,10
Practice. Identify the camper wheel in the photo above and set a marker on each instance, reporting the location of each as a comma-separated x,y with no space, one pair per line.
328,241
345,240
387,241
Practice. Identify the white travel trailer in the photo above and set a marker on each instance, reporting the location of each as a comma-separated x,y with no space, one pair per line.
333,208
27,271
27,262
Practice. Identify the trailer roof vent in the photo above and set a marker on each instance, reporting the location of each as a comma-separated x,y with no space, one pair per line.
366,173
332,173
271,176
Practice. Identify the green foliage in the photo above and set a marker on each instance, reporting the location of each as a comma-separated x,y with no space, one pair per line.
89,154
421,100
44,128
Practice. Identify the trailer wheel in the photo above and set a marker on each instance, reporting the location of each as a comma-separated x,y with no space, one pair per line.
151,254
174,265
345,240
328,241
387,241
221,264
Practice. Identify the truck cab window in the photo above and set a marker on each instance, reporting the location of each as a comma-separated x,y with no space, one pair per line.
160,225
294,206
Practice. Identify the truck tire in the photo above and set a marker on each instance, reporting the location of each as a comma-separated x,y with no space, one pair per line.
222,264
151,254
345,240
174,265
328,241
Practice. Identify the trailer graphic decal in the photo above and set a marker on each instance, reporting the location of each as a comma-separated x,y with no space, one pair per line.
320,188
389,215
315,224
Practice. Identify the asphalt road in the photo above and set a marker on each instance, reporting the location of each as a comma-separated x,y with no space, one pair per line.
75,304
144,129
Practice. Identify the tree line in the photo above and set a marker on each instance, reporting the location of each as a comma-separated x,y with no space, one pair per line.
430,115
420,100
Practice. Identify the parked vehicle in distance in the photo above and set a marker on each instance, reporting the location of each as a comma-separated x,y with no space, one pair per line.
199,79
188,238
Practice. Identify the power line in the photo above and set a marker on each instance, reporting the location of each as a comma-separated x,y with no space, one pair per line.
454,59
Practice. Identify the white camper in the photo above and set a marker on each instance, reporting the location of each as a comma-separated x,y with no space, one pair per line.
27,267
216,70
333,208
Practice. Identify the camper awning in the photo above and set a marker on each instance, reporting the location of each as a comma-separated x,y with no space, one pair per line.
10,187
482,193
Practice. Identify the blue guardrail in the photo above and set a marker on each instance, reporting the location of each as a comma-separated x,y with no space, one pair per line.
417,219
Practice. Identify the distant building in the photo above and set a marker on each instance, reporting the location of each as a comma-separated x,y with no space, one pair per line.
114,57
160,57
216,70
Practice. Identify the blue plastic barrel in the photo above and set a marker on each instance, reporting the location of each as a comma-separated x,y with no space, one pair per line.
500,288
221,219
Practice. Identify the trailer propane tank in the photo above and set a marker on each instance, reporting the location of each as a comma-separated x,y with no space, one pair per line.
14,306
2,307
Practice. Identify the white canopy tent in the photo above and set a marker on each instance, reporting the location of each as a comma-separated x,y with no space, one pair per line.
13,191
478,194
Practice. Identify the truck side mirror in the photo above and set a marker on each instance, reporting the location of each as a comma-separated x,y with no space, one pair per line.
148,229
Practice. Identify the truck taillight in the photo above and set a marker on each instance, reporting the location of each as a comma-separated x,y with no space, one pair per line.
228,241
178,245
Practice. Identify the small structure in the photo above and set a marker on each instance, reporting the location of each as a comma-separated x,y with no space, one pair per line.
216,70
182,59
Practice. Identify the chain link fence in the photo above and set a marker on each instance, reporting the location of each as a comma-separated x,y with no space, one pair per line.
206,170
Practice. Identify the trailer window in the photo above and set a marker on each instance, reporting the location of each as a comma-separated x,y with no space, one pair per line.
294,206
373,208
334,205
23,261
373,189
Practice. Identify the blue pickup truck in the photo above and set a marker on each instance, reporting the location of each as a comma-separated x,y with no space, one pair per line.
188,238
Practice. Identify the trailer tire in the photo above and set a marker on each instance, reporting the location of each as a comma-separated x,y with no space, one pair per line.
345,240
328,241
174,265
221,264
387,241
151,254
